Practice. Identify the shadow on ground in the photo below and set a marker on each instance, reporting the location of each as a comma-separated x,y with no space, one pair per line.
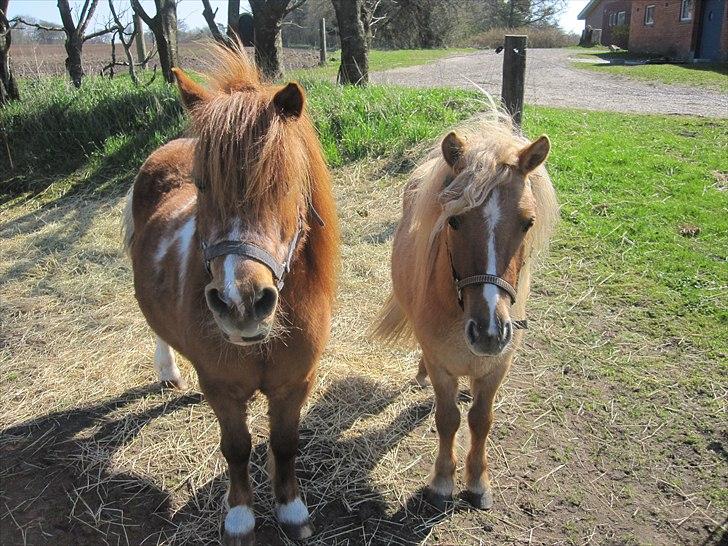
39,475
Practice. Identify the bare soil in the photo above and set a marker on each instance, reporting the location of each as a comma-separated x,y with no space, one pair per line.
593,442
552,81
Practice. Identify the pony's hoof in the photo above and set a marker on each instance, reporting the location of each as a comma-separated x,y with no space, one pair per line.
301,531
420,381
481,501
438,500
230,539
177,383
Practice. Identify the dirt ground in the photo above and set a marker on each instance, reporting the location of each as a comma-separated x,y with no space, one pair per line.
49,59
592,440
552,81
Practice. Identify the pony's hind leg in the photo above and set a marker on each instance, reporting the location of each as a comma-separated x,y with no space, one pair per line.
480,420
447,419
285,413
235,444
167,369
421,379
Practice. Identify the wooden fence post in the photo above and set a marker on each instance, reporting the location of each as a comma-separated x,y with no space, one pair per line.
141,46
322,40
514,75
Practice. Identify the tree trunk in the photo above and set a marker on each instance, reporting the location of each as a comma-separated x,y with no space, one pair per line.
8,85
267,22
354,67
140,43
74,66
233,19
167,14
164,27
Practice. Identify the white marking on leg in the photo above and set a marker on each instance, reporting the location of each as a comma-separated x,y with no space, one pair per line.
185,249
491,293
292,513
164,363
239,520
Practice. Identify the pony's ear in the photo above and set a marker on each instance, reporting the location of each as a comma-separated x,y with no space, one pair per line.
192,93
534,154
289,101
453,148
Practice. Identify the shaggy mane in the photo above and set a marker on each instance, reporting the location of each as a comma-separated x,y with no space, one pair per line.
247,153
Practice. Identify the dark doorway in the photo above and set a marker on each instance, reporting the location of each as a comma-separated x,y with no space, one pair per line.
711,22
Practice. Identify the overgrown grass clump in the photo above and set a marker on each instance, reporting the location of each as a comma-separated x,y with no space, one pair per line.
62,139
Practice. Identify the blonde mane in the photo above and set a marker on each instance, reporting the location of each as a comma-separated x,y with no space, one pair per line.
246,151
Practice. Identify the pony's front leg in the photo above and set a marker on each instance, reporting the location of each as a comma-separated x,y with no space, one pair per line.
285,413
235,445
447,420
480,419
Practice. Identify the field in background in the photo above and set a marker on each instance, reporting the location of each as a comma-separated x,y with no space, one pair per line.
708,75
610,428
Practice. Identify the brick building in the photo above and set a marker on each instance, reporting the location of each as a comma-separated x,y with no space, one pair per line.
678,29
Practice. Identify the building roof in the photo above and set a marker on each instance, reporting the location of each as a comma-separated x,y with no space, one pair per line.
590,6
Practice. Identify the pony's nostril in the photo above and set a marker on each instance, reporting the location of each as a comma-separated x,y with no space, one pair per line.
507,331
265,302
215,301
473,331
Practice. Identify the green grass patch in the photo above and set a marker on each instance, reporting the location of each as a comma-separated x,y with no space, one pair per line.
381,60
709,75
643,197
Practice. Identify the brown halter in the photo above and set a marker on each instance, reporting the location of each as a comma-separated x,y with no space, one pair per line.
484,279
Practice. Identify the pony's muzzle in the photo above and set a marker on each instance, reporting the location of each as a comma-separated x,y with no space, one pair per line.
488,339
246,322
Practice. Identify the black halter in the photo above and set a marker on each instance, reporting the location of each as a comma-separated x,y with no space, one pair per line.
253,252
484,279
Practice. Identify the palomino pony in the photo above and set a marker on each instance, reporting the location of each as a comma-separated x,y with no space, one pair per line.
234,245
475,215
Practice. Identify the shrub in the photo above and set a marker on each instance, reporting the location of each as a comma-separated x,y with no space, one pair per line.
537,37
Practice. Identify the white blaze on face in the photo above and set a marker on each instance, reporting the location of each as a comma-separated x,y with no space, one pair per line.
491,293
229,283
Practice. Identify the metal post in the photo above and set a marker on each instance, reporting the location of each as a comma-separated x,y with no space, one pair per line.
141,46
322,40
514,75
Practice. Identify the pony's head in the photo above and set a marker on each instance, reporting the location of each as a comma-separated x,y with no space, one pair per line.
491,207
255,154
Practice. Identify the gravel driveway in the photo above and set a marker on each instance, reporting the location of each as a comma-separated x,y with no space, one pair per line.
551,81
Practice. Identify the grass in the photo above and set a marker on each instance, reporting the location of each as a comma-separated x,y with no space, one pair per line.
612,420
708,75
382,60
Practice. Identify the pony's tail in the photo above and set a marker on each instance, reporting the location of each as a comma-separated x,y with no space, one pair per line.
391,325
127,223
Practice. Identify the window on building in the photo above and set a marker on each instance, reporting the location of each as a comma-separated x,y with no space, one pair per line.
649,15
621,18
686,10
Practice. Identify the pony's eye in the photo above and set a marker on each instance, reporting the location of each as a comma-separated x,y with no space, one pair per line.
454,222
528,224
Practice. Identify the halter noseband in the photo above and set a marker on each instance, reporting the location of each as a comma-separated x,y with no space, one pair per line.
253,252
484,279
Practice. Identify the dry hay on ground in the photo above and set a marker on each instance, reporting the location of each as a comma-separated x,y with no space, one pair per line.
94,453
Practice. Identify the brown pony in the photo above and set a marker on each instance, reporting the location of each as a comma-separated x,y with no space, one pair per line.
475,215
234,245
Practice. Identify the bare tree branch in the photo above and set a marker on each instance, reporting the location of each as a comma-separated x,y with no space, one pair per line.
19,20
